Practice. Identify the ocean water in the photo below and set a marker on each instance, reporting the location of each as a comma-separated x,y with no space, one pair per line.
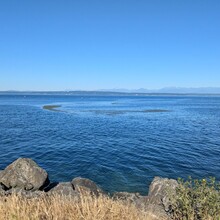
120,142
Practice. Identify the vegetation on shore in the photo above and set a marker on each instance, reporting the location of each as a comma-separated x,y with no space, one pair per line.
196,199
61,207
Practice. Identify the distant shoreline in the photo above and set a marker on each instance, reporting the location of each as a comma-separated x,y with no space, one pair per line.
102,93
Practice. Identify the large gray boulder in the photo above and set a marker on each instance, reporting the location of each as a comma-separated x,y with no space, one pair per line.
157,204
64,189
85,186
143,203
24,174
161,191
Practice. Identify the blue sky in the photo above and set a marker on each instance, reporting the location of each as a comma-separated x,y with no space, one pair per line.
91,44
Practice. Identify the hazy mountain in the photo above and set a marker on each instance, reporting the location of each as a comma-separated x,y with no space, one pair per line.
176,90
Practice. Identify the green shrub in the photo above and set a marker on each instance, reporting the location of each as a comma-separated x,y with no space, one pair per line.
196,199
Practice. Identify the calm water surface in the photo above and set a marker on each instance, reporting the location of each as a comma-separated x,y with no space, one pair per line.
113,140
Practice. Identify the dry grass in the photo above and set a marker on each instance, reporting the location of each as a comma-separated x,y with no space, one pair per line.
60,208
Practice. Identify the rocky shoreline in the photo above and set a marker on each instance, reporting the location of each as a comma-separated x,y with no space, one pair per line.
25,178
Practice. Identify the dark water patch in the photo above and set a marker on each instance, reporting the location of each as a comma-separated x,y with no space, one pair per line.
52,108
154,110
108,112
118,112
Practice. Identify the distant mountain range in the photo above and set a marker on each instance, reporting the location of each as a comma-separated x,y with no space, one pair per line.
173,90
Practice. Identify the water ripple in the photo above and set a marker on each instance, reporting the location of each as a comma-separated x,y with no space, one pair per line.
121,153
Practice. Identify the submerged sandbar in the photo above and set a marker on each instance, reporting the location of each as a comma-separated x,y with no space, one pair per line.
52,107
155,110
117,112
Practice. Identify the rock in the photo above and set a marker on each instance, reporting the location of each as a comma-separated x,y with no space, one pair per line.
126,196
2,190
85,186
64,189
153,212
1,173
156,212
161,190
24,193
24,174
134,198
157,204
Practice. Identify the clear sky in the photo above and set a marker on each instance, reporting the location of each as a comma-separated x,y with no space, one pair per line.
102,44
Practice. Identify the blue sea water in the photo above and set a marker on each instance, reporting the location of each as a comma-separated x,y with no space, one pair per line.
113,140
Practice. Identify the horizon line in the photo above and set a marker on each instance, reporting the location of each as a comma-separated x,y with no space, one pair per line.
108,91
